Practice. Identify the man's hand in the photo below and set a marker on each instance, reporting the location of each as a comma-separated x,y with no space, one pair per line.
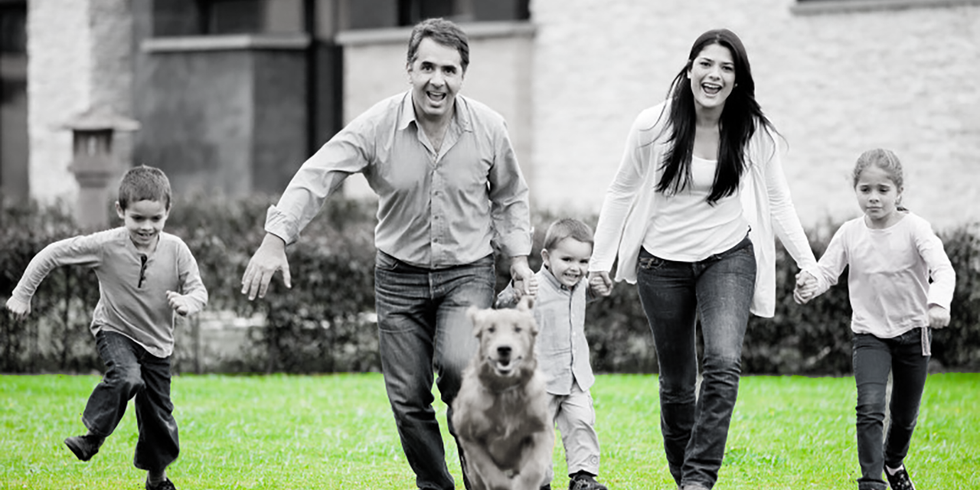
600,283
267,260
19,309
523,277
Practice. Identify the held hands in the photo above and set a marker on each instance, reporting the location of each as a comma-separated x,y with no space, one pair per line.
938,316
19,309
268,259
525,282
179,303
600,283
806,288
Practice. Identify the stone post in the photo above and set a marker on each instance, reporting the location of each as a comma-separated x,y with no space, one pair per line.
94,164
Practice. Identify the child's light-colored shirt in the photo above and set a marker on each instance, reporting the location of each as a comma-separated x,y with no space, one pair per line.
561,347
132,294
888,275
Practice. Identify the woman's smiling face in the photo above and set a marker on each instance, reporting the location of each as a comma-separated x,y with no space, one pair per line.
712,75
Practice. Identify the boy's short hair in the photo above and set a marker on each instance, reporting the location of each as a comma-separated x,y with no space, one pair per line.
144,184
567,228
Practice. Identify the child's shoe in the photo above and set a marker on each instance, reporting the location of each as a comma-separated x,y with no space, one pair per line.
166,484
900,480
584,482
85,446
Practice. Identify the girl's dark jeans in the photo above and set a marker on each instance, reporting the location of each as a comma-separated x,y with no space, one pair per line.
424,331
873,359
133,373
719,289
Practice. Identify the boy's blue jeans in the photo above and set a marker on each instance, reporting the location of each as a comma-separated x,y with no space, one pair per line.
873,359
132,372
719,289
423,328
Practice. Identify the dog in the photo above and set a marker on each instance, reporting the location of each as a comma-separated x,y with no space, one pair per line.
501,413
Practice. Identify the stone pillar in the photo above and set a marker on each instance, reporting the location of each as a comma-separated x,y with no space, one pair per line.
80,56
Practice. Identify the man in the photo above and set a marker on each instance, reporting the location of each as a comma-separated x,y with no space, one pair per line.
450,190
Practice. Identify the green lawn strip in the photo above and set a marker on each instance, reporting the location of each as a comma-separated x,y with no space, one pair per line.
336,431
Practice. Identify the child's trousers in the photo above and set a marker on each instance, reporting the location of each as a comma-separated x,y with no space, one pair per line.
132,372
873,358
575,417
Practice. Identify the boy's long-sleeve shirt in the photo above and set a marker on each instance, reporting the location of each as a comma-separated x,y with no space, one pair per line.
132,286
561,347
888,275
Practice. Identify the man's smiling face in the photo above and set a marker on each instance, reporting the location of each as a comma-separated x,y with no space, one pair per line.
436,75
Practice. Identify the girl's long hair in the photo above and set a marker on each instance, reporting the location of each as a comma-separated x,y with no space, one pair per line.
739,120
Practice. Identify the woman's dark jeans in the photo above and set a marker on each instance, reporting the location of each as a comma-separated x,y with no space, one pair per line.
873,359
132,372
423,327
719,289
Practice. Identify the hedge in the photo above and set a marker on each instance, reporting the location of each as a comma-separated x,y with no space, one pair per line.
325,323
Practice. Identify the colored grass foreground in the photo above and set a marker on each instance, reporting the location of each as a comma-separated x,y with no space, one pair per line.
336,431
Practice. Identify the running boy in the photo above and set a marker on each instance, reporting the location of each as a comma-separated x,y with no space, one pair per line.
561,348
145,275
892,254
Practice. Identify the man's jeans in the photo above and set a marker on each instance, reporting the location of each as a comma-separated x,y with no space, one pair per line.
719,289
873,359
132,372
422,327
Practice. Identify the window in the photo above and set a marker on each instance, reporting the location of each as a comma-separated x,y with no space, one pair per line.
410,12
805,7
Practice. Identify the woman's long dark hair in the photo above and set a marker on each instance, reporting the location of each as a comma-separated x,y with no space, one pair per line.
738,122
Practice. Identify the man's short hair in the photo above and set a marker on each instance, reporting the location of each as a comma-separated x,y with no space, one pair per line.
144,184
443,32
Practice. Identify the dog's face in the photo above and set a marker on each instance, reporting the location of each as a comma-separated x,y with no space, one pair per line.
506,340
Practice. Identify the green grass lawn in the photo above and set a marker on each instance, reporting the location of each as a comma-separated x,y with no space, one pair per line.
331,432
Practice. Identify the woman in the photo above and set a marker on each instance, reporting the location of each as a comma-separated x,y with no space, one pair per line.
693,208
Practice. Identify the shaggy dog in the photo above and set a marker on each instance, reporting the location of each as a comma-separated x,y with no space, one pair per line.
501,412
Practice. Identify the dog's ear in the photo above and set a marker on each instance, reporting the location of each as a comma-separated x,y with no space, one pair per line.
526,303
475,315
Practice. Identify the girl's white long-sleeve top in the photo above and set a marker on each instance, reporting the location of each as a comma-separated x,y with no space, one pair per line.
629,205
888,274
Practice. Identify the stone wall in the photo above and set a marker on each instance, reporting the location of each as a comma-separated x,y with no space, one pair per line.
835,82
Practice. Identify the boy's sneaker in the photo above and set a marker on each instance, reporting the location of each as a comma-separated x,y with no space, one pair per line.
585,482
85,446
166,484
900,480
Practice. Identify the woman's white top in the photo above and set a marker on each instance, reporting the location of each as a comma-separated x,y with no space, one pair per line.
630,206
689,229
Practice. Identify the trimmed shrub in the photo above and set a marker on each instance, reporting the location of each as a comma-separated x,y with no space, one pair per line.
325,322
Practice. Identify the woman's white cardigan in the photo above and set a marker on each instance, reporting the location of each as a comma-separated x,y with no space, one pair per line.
629,206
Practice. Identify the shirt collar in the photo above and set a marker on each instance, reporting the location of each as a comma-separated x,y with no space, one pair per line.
554,282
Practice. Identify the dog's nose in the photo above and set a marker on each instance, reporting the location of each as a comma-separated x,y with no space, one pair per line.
503,351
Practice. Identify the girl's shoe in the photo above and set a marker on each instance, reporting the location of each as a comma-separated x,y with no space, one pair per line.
166,484
900,480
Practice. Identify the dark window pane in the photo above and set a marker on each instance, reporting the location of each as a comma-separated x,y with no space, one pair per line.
13,28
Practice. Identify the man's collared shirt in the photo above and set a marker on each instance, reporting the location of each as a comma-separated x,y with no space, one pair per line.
435,210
